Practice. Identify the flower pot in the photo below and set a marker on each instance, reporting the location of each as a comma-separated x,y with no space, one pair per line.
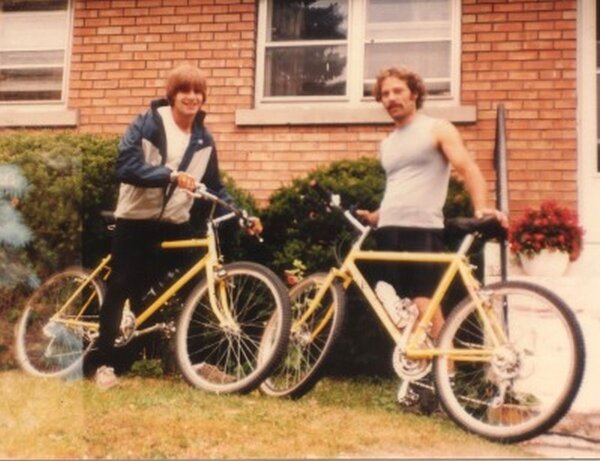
546,263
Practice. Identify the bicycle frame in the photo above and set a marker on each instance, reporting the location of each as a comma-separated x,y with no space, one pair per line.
210,262
411,341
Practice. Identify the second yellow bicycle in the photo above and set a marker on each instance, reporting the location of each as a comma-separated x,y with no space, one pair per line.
508,362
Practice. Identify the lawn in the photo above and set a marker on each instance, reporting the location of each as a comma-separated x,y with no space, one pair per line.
166,418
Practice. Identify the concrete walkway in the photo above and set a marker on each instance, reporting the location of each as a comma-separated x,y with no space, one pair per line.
581,291
583,420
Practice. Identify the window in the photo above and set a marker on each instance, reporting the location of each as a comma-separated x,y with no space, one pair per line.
329,51
417,34
34,37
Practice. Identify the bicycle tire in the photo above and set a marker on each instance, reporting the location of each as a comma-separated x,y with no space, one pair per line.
230,358
301,368
46,346
541,388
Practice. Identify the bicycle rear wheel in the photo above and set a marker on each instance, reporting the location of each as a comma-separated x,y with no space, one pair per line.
530,381
228,354
311,341
51,337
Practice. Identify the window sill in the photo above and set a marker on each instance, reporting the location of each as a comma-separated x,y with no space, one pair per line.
36,117
313,115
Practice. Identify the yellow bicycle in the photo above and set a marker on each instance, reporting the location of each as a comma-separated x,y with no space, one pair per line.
219,342
508,362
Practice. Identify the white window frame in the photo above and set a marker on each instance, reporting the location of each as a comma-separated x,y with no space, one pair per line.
45,113
352,107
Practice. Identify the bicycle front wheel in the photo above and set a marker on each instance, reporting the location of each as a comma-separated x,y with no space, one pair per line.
221,349
57,326
529,381
310,341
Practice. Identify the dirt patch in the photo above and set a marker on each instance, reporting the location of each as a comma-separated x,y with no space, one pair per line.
584,425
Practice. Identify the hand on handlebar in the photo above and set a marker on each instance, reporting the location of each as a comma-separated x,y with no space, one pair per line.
184,181
254,226
499,215
368,217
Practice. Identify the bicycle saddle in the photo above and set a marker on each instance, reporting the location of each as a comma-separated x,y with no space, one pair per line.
488,227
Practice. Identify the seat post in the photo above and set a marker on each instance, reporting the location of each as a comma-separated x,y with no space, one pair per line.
466,244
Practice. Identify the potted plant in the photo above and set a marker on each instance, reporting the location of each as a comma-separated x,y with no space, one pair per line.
546,239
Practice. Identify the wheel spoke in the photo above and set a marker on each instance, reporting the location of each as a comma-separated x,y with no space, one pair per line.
52,337
233,352
308,348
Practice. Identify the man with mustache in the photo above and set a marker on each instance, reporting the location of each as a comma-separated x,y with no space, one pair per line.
417,157
163,153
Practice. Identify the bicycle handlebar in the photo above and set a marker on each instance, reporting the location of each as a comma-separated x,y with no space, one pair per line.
487,227
202,192
335,201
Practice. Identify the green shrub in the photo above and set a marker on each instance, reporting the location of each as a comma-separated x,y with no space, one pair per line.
70,180
297,226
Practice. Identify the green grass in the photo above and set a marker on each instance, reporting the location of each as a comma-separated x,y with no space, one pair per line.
166,418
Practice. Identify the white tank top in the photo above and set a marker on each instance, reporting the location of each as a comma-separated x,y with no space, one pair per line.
417,175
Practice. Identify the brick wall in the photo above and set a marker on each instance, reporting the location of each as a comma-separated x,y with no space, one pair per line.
521,53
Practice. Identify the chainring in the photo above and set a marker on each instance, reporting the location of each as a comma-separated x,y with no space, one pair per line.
411,369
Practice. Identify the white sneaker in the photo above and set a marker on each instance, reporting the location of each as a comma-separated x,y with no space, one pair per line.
106,378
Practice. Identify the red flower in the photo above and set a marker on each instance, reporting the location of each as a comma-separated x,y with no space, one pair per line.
551,227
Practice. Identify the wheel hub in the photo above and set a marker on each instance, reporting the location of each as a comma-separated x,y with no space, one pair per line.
302,337
506,362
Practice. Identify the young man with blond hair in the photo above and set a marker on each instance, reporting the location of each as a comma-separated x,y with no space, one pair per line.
162,154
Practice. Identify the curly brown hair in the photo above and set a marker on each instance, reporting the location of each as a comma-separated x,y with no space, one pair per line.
413,81
185,78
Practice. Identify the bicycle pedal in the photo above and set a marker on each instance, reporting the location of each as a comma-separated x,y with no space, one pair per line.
410,399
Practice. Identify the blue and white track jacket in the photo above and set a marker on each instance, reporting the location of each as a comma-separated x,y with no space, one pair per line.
145,191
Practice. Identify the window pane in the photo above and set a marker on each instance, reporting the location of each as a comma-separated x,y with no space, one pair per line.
20,31
407,30
305,71
408,10
438,88
430,60
30,84
412,33
33,5
31,58
308,20
33,40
